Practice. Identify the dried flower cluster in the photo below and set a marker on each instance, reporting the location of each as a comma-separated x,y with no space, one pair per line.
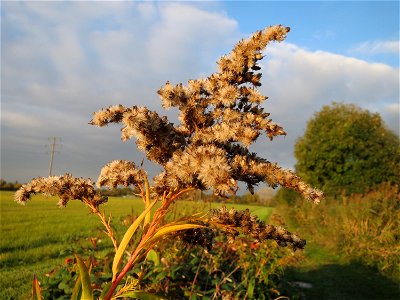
65,187
200,236
235,222
120,172
220,116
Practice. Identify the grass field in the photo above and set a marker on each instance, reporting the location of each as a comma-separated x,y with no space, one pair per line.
34,237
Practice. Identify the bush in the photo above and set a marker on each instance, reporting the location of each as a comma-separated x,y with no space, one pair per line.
177,270
192,273
347,148
286,196
119,192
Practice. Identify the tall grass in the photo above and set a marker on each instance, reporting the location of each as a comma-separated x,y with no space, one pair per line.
362,228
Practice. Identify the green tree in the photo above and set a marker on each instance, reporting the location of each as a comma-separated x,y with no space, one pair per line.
346,148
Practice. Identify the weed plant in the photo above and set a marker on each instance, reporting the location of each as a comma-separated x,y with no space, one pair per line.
177,269
192,273
220,117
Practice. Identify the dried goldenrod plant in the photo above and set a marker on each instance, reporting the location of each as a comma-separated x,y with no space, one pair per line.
220,117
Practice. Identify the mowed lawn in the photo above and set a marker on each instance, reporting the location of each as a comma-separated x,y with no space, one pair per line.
36,237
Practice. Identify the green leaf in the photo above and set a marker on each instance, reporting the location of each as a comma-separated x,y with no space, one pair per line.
77,291
250,287
141,295
153,256
127,237
87,293
172,228
36,292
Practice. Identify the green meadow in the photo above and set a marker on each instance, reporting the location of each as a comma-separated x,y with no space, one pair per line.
37,237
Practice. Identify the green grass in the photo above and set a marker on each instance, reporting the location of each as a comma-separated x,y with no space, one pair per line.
35,237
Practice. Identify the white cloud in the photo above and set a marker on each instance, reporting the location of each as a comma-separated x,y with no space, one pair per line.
300,82
20,121
377,47
62,61
198,34
148,10
391,114
325,77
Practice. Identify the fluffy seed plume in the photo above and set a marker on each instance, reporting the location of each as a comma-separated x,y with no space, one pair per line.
120,172
158,138
235,222
220,117
65,187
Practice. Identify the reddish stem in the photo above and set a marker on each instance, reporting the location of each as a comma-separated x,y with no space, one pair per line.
118,279
156,221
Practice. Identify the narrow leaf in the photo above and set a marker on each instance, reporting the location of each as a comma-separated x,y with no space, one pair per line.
172,228
87,293
127,237
250,287
147,202
77,290
36,292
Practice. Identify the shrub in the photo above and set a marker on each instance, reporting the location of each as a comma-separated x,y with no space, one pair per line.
179,270
347,148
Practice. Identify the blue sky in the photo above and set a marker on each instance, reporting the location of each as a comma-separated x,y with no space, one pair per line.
334,26
61,61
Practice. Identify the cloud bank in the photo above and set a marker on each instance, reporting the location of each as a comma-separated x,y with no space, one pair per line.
63,61
300,82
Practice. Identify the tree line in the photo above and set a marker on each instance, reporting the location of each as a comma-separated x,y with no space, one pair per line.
9,186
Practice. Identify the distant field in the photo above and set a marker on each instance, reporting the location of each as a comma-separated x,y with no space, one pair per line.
34,237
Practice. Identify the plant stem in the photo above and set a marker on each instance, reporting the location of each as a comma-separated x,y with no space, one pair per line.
197,273
217,287
106,223
122,274
156,221
109,231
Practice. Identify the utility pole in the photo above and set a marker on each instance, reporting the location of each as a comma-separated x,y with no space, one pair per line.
52,150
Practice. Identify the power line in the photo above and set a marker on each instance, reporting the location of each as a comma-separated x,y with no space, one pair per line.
52,151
